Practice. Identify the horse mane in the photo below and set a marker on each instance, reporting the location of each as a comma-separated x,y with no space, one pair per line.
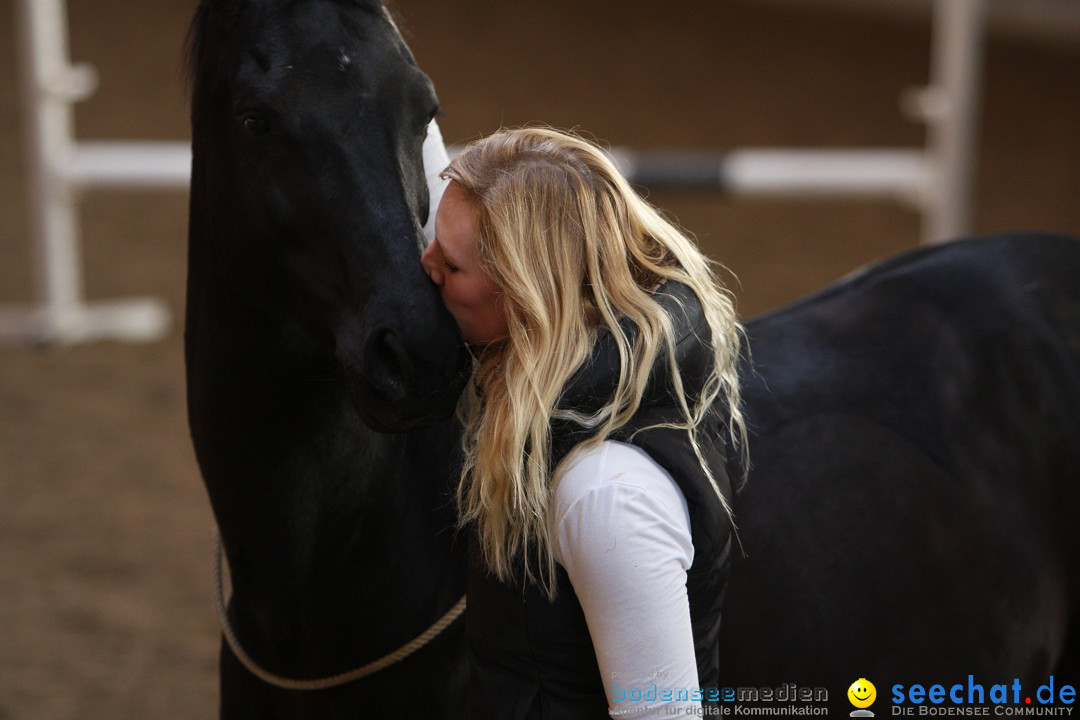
193,44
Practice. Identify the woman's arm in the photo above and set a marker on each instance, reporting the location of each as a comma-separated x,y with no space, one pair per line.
622,532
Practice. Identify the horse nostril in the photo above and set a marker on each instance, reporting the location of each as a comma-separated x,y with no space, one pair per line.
390,369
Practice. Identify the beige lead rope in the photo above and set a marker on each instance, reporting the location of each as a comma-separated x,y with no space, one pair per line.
334,680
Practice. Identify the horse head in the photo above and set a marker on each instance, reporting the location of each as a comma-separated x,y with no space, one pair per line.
309,194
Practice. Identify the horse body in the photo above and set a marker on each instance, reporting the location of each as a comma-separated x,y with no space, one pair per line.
909,514
309,320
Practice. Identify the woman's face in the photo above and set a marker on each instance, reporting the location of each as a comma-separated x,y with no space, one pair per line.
452,263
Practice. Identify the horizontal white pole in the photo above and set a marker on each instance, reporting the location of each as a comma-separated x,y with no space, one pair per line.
868,172
129,164
795,171
129,320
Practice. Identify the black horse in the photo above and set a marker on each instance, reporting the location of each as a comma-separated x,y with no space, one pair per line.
916,428
910,516
309,321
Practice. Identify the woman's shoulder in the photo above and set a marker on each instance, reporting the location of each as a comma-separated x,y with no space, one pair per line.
614,474
616,495
612,462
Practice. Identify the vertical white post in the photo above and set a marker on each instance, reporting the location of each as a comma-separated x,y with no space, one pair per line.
950,107
57,168
48,86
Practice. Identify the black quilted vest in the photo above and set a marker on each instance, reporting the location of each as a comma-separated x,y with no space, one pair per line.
532,658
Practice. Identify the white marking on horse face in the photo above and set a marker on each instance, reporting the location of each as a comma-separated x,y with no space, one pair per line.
344,61
435,161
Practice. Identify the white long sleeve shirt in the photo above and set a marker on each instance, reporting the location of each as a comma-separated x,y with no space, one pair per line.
621,529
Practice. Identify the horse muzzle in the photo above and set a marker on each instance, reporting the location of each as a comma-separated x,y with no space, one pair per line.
402,379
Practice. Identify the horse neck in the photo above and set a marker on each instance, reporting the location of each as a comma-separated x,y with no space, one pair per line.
311,504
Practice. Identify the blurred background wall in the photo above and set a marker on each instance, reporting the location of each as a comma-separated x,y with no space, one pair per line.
105,532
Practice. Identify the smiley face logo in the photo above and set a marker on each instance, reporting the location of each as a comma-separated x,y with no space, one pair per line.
862,693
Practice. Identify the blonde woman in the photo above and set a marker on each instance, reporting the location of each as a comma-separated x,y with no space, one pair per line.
605,404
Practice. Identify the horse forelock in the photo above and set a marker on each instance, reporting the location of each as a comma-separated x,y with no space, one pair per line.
226,14
193,44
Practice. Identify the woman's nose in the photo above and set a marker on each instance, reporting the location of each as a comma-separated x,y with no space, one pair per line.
430,262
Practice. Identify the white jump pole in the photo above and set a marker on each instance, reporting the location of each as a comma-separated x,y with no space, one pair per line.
936,179
58,169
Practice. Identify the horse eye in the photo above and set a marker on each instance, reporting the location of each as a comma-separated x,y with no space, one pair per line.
256,125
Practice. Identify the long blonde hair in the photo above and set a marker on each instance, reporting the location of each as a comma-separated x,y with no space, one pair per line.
574,250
